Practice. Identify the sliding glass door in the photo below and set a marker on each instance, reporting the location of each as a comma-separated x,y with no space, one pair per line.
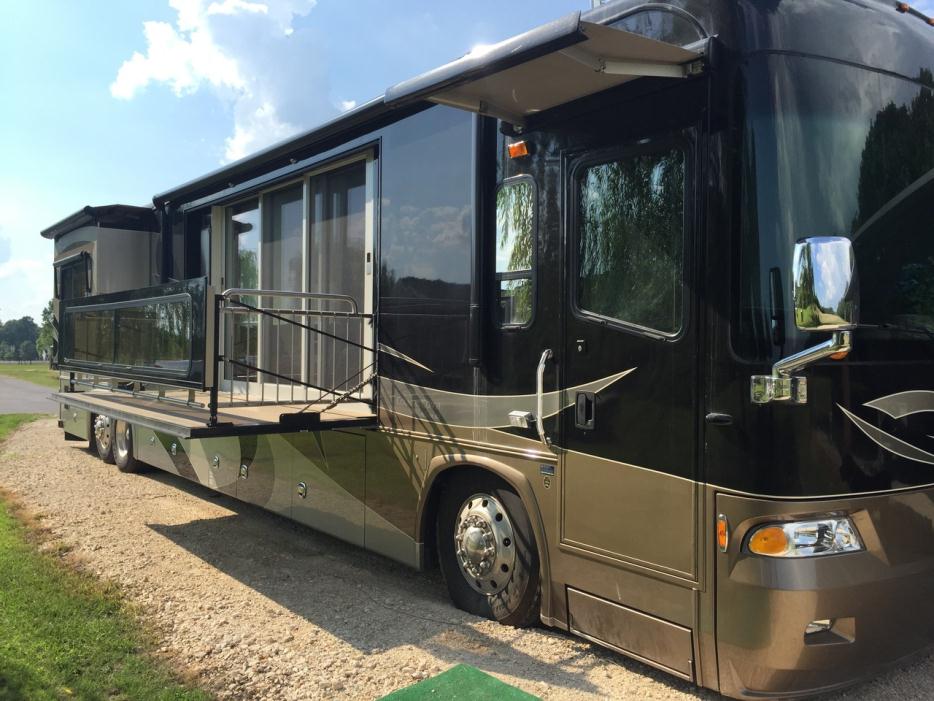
314,236
243,237
337,253
282,270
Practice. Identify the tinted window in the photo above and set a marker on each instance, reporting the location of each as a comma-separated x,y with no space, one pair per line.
73,278
427,222
198,244
515,241
834,150
91,335
338,266
243,240
155,335
631,240
282,270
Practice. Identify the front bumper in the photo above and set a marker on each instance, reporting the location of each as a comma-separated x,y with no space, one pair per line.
881,599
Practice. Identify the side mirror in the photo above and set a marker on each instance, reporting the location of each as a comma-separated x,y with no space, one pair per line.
826,298
826,286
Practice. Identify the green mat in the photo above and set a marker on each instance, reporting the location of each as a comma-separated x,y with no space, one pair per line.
464,683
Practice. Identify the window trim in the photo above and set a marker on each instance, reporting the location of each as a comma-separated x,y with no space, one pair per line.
516,274
679,141
72,261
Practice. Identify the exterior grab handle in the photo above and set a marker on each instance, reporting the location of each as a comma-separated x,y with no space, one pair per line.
540,398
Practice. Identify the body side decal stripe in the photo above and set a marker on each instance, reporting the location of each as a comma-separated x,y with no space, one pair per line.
890,442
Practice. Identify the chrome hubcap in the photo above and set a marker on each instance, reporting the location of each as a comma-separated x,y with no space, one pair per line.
122,446
484,543
102,432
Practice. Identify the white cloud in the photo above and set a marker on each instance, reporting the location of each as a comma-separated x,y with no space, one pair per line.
249,53
347,105
18,266
25,257
25,287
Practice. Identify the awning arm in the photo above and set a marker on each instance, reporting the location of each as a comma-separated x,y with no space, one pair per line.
634,68
484,107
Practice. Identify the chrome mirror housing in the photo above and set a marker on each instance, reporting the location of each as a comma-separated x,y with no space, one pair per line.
826,286
826,298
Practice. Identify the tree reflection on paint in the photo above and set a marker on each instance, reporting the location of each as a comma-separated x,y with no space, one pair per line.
892,227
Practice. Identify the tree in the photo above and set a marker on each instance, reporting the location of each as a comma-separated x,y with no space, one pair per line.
46,333
27,351
15,331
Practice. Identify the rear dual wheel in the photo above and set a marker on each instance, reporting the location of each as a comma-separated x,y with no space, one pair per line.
123,447
113,441
487,551
104,438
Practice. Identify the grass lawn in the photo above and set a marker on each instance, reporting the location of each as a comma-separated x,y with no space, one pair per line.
10,422
63,634
37,373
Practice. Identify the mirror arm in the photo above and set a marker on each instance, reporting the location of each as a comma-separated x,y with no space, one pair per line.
840,342
782,386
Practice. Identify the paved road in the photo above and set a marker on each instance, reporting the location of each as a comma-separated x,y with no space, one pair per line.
19,397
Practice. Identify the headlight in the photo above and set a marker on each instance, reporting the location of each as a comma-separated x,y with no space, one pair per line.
826,536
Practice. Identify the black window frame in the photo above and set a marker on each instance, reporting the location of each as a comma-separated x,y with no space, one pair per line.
532,275
83,258
681,141
193,291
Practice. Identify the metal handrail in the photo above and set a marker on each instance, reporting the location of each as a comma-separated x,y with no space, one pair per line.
244,292
297,312
231,302
540,398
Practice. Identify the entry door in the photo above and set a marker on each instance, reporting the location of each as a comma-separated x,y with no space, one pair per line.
629,356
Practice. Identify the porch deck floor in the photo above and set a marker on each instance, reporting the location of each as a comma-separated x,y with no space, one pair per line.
236,418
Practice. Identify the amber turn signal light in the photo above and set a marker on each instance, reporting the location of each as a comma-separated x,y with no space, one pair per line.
770,540
518,149
723,533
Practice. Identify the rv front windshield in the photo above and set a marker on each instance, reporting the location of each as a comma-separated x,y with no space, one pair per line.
831,149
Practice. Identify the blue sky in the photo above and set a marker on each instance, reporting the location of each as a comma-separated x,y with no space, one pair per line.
86,122
112,102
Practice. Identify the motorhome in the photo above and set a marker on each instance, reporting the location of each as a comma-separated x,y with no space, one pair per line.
626,323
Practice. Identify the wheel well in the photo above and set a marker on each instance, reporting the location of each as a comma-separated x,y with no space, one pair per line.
428,526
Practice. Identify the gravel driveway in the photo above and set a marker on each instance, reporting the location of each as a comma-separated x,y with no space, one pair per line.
258,607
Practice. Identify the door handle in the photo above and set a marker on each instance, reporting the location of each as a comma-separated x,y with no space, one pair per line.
540,398
585,409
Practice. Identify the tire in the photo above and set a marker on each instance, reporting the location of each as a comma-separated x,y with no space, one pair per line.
103,428
123,447
503,584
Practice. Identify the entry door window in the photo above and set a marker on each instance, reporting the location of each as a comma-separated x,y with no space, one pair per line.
337,255
630,248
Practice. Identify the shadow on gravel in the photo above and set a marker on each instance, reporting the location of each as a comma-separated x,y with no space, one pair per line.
368,601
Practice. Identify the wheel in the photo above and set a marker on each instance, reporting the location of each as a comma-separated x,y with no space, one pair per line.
123,447
487,551
104,438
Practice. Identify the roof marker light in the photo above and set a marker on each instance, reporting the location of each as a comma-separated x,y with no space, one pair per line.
518,149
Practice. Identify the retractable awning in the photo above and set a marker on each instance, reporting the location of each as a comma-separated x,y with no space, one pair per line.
546,67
